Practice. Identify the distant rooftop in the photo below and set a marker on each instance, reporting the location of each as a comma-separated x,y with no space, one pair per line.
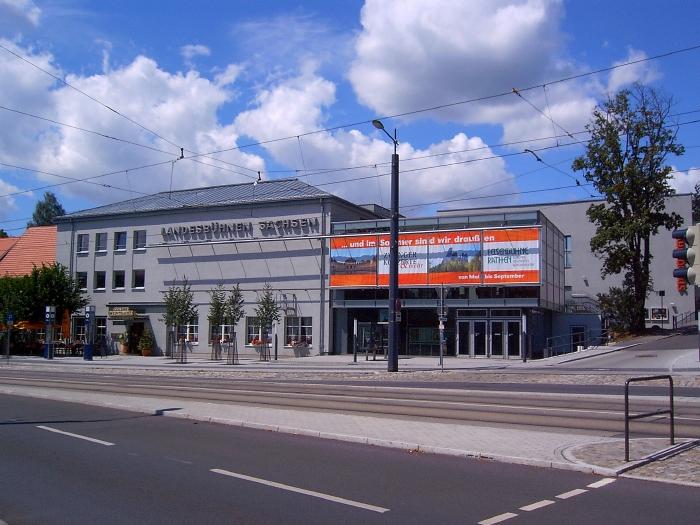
229,195
36,247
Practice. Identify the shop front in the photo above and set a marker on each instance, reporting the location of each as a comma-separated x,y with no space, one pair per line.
480,282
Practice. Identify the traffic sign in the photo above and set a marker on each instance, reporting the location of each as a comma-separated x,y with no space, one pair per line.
10,318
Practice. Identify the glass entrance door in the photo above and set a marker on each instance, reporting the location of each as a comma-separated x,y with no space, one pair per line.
463,337
513,338
497,339
480,346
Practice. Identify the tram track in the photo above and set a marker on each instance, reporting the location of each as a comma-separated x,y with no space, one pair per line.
581,412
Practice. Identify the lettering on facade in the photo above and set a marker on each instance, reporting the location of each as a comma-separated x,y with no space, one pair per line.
208,230
286,226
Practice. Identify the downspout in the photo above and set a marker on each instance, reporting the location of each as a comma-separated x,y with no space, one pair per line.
322,287
72,246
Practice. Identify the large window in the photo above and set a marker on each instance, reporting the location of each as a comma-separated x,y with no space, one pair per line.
221,332
101,242
81,279
139,279
100,281
567,251
83,243
118,280
297,331
120,241
190,331
252,330
140,240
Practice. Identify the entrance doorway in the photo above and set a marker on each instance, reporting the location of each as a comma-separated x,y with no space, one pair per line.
489,338
372,338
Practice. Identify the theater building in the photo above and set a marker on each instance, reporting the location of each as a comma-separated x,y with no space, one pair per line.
503,282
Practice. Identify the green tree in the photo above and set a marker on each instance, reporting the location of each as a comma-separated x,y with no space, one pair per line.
46,211
3,234
696,203
235,310
631,139
216,316
267,312
180,309
27,296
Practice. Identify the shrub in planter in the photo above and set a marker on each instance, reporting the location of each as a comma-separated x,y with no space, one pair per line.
146,343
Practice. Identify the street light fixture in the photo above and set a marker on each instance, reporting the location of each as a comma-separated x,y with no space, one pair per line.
393,351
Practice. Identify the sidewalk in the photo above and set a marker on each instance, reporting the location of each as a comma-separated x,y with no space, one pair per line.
320,363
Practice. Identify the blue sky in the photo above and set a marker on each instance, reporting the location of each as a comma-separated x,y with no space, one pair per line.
224,75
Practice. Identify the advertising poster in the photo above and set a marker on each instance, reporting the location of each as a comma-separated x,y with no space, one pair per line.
455,258
354,261
511,256
413,260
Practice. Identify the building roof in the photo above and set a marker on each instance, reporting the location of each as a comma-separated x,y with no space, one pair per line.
35,247
229,195
6,245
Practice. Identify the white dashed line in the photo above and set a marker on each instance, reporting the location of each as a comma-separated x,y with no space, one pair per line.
601,483
571,493
498,519
538,505
78,436
298,490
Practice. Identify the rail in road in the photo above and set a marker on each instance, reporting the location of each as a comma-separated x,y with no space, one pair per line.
584,412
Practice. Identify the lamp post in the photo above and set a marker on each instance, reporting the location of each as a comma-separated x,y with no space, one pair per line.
393,353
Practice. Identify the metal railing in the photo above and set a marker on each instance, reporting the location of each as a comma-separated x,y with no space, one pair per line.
567,343
684,320
659,412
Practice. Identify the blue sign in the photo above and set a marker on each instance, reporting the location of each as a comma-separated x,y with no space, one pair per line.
10,318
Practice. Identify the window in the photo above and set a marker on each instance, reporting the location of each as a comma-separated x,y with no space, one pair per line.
138,279
140,240
120,241
297,331
252,330
100,242
190,332
221,332
100,280
83,243
81,279
118,280
80,329
567,251
100,328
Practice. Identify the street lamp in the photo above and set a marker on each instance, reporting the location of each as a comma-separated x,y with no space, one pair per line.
393,353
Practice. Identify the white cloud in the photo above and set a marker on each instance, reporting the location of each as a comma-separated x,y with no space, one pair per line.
180,107
643,72
298,105
685,181
190,51
25,10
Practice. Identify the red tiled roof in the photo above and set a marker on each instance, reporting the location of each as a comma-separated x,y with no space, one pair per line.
35,247
6,245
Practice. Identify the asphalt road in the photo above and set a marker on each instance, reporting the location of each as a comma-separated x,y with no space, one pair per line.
156,470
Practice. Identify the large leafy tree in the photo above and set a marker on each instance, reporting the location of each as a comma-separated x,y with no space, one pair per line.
631,140
27,296
46,211
216,316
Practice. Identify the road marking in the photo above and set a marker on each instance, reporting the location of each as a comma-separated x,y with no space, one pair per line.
601,483
498,519
538,505
298,490
571,493
86,438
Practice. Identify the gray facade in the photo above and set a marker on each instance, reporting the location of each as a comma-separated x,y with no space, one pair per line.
249,240
582,275
128,254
